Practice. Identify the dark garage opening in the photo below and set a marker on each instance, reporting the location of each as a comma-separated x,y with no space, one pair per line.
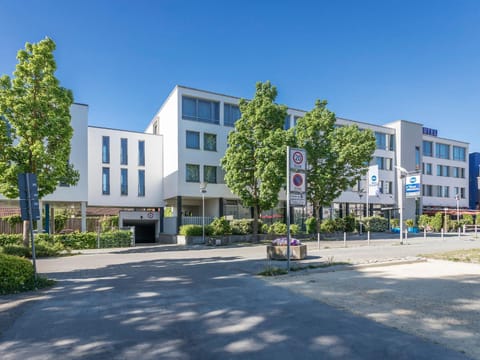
144,231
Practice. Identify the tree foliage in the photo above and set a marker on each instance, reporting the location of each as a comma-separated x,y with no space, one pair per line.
255,159
35,129
336,156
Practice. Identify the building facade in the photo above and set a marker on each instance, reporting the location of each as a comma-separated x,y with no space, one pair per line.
180,152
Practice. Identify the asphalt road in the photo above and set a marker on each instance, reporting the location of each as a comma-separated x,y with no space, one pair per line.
167,302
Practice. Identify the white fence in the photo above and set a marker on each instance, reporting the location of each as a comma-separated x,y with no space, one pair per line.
170,223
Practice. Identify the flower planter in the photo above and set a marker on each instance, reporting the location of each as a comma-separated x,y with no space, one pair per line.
279,252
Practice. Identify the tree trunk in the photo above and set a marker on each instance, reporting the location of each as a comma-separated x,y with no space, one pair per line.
26,233
256,214
317,212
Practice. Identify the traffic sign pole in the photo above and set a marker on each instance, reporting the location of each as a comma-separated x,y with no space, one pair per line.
30,215
288,208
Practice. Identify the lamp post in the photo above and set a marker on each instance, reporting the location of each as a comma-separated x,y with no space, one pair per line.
402,173
203,190
457,198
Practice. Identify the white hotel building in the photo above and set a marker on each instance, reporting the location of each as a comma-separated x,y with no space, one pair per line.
182,147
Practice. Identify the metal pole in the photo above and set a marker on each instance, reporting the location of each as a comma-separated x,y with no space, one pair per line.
203,215
345,239
288,209
30,215
400,207
368,237
442,235
425,234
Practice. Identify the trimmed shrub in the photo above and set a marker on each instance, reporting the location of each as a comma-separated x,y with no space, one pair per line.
327,226
194,230
311,225
245,226
221,226
15,239
13,220
294,229
78,240
346,224
17,250
468,219
16,274
376,224
437,222
121,238
424,221
278,228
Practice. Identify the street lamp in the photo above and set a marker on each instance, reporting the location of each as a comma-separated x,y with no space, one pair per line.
457,198
402,173
203,190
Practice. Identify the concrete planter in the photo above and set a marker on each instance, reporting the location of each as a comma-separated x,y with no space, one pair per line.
279,252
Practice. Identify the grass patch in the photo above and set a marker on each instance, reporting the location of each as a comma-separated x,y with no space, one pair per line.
467,256
273,271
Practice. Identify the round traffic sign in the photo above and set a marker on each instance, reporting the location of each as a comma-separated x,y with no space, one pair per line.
297,180
374,178
297,157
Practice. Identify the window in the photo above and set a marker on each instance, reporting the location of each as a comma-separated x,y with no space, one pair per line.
462,173
295,120
231,113
455,172
456,190
427,148
443,170
193,140
417,158
105,149
381,140
124,181
106,181
439,191
462,193
210,174
193,173
388,164
392,143
389,187
442,151
123,151
427,190
141,182
201,110
209,142
428,169
286,124
458,153
380,161
446,191
141,153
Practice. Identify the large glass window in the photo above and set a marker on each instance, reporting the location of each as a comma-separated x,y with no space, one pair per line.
141,153
124,181
201,110
417,158
105,181
210,174
193,140
439,191
123,151
105,149
427,148
380,162
231,113
428,169
442,151
446,191
286,123
192,173
141,182
381,140
209,142
459,153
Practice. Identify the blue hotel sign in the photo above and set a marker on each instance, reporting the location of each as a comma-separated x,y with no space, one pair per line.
428,131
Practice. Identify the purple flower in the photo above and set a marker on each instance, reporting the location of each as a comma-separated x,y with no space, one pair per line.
283,241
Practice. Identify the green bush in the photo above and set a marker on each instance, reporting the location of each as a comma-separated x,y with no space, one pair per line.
194,230
437,222
245,226
424,221
15,239
468,219
345,224
221,226
107,223
394,223
410,223
16,274
119,238
13,220
78,240
278,228
376,224
327,226
294,229
311,225
46,249
17,250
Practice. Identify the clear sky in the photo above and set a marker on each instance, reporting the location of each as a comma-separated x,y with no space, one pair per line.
373,60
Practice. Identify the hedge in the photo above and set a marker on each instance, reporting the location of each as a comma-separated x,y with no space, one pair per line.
16,274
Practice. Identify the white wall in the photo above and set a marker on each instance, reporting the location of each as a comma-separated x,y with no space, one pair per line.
153,169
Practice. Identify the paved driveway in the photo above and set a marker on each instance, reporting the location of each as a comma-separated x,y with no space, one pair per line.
163,302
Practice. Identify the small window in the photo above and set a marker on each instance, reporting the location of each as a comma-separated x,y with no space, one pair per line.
392,143
105,149
286,123
231,113
123,151
193,140
428,169
210,142
141,153
106,181
210,174
192,173
381,140
427,148
141,183
380,162
417,158
124,181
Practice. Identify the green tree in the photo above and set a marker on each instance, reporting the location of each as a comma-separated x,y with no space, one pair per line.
35,132
336,156
255,159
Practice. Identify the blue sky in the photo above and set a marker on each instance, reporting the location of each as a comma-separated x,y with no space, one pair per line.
374,61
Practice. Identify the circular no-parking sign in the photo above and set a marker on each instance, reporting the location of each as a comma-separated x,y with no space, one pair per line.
297,180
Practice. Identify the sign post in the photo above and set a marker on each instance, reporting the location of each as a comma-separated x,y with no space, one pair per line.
412,186
296,186
29,207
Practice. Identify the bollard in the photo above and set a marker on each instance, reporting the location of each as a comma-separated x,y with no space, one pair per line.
459,233
442,235
368,237
406,236
475,231
345,239
425,234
